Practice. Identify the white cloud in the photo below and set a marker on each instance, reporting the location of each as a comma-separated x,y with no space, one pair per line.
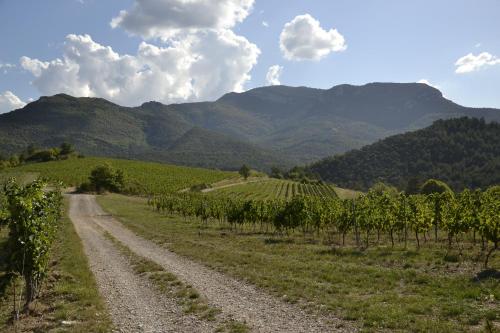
471,62
265,24
9,102
425,81
304,39
273,75
166,18
5,67
201,66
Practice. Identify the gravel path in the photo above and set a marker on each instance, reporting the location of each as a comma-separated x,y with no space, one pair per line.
215,188
133,304
242,301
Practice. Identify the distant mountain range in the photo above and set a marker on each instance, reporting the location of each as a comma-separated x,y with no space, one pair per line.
263,127
463,152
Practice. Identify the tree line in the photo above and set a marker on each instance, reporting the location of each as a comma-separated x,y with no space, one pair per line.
32,154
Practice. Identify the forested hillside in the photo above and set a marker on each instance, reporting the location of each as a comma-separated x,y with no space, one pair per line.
97,127
463,152
263,127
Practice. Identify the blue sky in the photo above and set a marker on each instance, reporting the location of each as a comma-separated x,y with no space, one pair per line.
383,40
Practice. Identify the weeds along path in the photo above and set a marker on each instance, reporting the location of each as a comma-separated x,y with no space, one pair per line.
133,304
242,301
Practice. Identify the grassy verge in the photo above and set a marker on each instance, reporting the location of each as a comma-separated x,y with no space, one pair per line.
69,301
380,288
21,177
168,284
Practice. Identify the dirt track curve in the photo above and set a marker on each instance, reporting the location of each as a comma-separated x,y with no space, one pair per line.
132,302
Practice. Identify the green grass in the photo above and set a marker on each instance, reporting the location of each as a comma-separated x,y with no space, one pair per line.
274,189
145,177
344,193
69,294
379,288
21,176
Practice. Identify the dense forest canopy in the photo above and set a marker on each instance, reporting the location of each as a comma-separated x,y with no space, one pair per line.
463,152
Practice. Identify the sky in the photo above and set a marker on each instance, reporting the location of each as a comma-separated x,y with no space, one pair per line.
134,51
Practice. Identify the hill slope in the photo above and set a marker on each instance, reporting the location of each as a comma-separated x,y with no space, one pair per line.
462,152
309,124
140,177
100,128
275,125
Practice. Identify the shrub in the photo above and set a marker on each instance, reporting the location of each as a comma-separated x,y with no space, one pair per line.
435,186
199,187
244,171
32,214
104,178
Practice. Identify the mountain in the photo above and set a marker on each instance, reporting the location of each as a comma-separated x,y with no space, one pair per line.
463,152
100,128
308,124
276,125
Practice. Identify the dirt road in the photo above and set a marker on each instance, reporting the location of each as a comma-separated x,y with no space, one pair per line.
133,304
242,301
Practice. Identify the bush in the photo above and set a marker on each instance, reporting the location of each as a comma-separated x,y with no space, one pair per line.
84,188
32,214
67,148
435,186
199,187
44,155
244,171
104,178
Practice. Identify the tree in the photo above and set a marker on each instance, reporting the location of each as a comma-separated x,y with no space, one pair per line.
31,149
44,155
413,186
381,188
276,173
435,186
67,148
105,178
244,171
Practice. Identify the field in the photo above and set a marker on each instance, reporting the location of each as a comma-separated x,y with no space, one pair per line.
418,285
275,189
141,177
432,289
265,189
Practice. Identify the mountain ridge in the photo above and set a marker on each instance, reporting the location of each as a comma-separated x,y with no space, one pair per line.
295,125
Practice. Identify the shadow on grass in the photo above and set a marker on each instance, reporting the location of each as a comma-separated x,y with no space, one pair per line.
342,252
272,241
487,274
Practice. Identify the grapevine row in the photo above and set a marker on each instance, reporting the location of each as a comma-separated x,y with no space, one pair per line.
397,217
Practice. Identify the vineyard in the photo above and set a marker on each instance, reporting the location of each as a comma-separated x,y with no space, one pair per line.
31,214
275,189
140,177
373,218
